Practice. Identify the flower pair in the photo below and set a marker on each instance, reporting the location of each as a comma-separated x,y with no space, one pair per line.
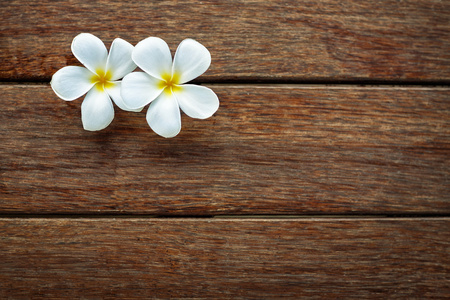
162,84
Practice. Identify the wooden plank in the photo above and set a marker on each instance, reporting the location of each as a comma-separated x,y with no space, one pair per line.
143,258
268,150
252,39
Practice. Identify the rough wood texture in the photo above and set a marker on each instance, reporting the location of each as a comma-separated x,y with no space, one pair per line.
254,39
268,150
257,259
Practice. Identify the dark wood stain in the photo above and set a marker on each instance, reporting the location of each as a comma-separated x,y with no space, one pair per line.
268,150
239,259
252,40
76,206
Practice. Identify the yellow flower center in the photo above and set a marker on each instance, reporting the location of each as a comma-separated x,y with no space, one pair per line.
102,80
170,83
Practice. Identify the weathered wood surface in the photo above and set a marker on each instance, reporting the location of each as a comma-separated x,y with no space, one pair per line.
257,259
254,40
268,150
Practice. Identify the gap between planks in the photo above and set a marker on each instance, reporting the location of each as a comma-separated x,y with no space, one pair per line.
410,85
236,217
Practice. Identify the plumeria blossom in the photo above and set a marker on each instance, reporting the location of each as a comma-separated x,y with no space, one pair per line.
162,84
99,79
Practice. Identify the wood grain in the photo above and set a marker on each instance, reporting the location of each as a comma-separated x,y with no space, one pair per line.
143,258
271,149
249,40
268,150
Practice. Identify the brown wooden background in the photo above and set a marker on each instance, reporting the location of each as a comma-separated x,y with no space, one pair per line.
324,174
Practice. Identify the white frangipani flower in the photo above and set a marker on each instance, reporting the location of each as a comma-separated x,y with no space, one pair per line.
99,79
162,84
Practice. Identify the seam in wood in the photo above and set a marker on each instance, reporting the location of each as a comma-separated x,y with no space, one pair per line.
227,217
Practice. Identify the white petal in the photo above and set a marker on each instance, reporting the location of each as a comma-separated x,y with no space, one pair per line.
197,101
90,51
153,56
163,115
139,89
114,92
71,82
191,60
97,110
119,61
